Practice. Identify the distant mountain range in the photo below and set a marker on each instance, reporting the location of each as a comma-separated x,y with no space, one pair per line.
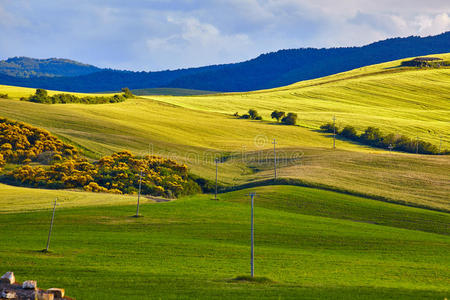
266,71
52,67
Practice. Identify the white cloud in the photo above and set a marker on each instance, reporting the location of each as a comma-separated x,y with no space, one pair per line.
162,34
428,25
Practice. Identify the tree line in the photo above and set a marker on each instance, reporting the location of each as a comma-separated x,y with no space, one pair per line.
373,136
41,96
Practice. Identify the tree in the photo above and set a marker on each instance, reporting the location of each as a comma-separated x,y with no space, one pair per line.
372,136
41,96
277,115
127,93
328,127
253,114
290,119
349,132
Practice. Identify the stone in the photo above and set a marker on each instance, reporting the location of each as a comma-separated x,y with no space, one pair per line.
8,278
29,285
8,295
45,296
59,293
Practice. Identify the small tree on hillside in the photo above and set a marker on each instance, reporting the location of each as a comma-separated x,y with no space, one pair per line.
127,93
290,119
254,114
277,115
41,96
349,132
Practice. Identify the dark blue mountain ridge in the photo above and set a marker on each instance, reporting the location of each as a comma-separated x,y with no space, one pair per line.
265,71
32,67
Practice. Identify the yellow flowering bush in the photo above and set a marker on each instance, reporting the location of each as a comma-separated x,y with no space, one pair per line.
20,141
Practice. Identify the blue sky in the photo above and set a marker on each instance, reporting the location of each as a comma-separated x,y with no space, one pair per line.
165,34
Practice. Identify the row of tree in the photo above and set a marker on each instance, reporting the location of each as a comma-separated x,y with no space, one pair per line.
289,119
373,136
3,96
41,96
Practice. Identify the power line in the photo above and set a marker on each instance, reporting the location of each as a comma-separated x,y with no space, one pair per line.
334,132
252,251
139,194
217,163
275,158
390,148
417,145
51,226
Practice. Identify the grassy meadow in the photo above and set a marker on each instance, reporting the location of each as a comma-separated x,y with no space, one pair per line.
310,243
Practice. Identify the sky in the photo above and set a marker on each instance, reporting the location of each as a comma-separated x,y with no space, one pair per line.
151,35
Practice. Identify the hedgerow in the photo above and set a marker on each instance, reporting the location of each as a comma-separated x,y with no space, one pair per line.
373,136
41,96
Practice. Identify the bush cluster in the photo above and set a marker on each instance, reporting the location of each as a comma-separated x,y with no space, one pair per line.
22,143
3,96
252,114
41,96
373,136
118,173
289,119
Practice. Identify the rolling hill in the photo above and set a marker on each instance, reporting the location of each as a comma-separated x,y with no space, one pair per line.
196,129
309,243
26,67
266,71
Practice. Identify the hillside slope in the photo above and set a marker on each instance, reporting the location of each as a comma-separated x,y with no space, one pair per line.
266,71
191,248
195,130
31,67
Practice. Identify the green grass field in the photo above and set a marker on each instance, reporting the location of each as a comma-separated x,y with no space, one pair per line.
310,243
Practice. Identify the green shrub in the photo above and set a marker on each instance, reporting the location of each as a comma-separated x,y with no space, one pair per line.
349,132
41,96
290,119
277,115
328,127
374,137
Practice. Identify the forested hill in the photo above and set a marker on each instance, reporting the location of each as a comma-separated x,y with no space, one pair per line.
51,67
266,71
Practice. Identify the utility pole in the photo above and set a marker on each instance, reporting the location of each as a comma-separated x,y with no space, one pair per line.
334,132
217,163
252,254
139,194
51,226
275,157
417,145
390,148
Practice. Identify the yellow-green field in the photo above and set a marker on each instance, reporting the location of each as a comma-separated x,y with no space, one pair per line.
193,129
409,101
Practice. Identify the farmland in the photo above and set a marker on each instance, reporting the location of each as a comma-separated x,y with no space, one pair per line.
309,243
194,130
327,235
